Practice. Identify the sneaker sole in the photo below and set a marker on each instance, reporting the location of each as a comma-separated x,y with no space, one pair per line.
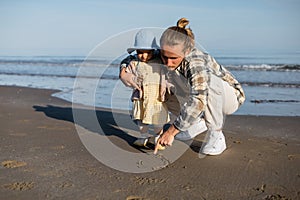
214,153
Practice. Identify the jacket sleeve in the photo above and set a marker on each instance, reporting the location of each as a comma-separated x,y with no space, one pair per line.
125,62
196,75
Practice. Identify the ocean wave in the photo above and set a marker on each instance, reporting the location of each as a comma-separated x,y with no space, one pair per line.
269,84
256,101
114,76
58,62
105,77
266,67
231,63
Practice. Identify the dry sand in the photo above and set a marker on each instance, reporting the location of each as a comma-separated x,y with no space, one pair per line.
42,157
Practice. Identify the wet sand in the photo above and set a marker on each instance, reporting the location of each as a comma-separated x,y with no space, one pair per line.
42,157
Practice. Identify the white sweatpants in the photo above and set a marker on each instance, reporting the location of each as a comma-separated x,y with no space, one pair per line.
221,101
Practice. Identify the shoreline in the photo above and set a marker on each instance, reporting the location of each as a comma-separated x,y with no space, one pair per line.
278,104
42,157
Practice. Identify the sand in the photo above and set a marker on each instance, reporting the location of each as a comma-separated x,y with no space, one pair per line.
42,157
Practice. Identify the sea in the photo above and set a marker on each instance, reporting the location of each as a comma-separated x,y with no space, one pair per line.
271,81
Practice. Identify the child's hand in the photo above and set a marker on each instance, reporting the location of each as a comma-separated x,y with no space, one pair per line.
128,79
170,87
166,87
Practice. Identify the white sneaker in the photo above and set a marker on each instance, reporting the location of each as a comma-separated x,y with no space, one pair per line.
215,144
193,131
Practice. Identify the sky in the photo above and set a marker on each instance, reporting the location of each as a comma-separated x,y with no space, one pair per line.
74,27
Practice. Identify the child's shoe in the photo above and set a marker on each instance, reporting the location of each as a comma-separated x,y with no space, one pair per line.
141,142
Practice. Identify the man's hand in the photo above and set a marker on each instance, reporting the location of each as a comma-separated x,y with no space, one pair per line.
128,79
167,138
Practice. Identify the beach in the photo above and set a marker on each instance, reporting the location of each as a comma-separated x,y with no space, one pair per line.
42,157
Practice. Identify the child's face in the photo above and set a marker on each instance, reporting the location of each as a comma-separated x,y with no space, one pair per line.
144,55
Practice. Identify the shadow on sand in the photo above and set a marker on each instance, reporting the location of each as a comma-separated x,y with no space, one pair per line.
104,118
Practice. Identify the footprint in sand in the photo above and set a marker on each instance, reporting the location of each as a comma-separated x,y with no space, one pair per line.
21,186
293,156
135,198
66,185
148,181
60,147
18,134
13,163
275,197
